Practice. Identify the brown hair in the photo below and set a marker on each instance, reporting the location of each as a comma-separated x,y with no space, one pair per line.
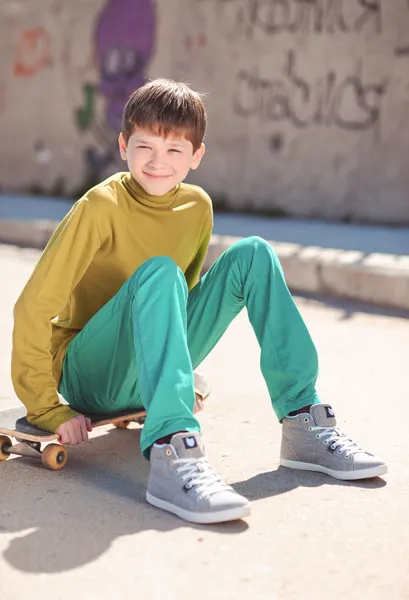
166,107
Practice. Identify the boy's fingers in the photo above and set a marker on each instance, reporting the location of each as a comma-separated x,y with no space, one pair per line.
64,438
75,430
80,429
82,434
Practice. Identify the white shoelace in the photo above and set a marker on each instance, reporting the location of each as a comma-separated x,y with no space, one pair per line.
337,439
197,473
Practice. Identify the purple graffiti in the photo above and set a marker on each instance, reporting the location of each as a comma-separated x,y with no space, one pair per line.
124,40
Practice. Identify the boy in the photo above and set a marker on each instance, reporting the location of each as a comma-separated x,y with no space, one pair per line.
116,317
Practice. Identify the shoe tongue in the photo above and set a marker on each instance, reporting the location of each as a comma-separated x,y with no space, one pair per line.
188,444
323,415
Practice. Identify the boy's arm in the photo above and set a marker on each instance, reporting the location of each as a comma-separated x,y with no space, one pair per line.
61,266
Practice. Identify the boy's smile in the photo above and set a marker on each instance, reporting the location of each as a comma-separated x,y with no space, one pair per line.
159,163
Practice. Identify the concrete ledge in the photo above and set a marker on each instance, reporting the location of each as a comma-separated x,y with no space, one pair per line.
34,234
380,279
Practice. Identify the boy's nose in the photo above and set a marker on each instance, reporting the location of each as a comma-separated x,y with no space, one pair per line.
157,159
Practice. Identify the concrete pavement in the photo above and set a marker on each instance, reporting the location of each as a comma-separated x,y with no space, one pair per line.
86,531
361,262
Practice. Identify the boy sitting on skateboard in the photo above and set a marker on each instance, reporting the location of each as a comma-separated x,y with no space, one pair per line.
116,318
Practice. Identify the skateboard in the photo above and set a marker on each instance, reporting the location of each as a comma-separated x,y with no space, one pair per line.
54,456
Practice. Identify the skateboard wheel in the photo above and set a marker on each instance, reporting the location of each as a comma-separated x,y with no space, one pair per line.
121,424
54,457
5,444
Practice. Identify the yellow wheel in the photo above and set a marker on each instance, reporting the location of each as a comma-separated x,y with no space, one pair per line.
5,444
121,424
54,457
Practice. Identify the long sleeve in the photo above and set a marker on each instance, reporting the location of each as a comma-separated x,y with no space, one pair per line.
62,265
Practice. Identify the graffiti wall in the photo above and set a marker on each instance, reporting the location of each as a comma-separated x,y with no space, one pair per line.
71,68
307,99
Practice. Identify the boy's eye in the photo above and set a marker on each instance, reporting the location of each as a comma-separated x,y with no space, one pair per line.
174,150
142,147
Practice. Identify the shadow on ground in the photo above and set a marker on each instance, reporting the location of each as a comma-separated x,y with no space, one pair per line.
350,308
63,520
282,480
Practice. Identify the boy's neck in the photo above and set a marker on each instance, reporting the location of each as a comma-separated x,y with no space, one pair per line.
140,194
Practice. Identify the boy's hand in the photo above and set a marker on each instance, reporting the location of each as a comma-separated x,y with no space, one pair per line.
75,430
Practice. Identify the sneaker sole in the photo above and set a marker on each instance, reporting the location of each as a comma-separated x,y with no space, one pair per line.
346,475
231,514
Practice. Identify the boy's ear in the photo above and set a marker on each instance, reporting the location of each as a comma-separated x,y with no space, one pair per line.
197,156
122,146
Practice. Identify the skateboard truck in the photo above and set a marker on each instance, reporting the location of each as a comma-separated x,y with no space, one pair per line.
53,456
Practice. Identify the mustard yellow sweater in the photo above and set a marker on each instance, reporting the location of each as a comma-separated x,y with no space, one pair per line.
106,236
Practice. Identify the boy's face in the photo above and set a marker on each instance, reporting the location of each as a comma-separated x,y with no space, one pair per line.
159,164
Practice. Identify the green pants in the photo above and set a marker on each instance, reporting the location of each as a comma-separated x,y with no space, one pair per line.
141,348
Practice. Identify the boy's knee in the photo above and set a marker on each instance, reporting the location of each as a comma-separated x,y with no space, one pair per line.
256,243
253,247
164,263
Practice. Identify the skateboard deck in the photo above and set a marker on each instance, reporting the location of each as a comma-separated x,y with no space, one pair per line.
13,423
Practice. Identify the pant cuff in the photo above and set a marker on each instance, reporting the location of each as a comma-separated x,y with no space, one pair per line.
146,443
296,404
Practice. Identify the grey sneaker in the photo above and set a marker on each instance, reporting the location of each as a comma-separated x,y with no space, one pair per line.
313,442
182,482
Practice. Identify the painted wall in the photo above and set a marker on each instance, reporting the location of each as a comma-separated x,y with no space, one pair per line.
308,100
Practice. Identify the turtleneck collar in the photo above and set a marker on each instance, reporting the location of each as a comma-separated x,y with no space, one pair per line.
142,196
